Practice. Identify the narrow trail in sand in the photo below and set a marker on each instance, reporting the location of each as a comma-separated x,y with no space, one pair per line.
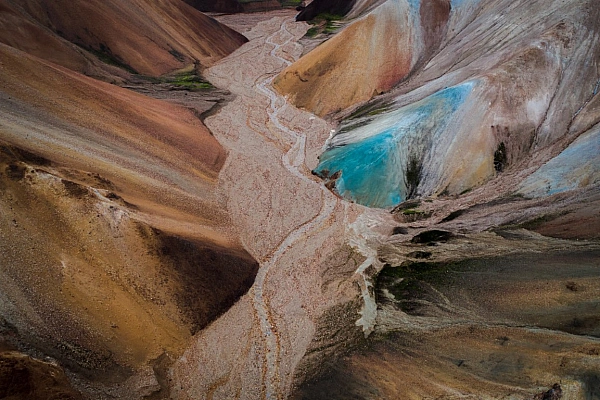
293,160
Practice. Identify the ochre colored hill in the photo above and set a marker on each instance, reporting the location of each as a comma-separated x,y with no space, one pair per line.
149,37
367,58
347,69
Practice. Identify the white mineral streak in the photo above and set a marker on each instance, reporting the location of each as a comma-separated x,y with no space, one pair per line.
363,238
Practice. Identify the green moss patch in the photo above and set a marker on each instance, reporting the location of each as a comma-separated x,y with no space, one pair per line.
324,23
188,81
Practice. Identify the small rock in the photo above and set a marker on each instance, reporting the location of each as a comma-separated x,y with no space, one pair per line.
419,254
432,236
553,394
399,230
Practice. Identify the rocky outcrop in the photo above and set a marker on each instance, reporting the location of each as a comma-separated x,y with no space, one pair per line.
316,7
23,377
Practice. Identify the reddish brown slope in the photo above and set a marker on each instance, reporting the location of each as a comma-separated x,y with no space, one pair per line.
20,30
151,37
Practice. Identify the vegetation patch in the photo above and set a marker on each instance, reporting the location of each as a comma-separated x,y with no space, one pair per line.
324,23
314,31
291,3
408,211
187,81
413,281
105,55
372,109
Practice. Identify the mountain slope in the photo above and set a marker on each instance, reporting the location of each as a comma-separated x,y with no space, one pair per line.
151,38
515,95
115,247
367,58
235,6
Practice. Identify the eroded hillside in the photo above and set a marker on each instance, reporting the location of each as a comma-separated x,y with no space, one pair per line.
191,234
116,248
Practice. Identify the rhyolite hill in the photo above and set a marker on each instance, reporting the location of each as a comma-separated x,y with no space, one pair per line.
398,199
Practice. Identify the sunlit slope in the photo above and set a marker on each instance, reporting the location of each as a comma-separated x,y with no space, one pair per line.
153,151
365,59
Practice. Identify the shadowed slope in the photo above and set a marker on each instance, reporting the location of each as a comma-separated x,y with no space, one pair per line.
85,281
223,6
22,377
20,30
234,6
496,327
316,7
150,37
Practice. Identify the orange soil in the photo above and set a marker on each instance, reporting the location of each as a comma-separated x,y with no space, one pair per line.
114,246
348,69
